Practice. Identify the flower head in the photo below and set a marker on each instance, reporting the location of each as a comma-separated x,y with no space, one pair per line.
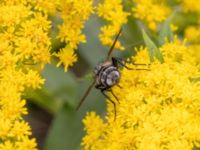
112,11
66,56
158,108
74,16
24,42
191,5
192,34
152,12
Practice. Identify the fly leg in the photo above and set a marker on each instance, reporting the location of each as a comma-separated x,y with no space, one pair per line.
123,63
103,91
111,91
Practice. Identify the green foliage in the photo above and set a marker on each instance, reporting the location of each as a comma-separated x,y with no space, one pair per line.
59,88
67,128
165,31
65,132
154,52
197,79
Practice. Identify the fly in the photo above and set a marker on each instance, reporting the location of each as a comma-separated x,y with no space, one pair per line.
107,75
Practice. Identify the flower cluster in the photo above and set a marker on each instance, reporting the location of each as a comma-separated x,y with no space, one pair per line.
47,6
194,45
152,12
111,11
158,109
73,17
191,6
192,31
24,42
66,56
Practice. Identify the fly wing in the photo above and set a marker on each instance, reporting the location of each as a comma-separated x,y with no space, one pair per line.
113,45
86,94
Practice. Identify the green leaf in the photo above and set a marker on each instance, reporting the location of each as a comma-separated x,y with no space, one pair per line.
197,79
92,51
88,76
44,99
154,52
59,88
165,31
62,85
66,130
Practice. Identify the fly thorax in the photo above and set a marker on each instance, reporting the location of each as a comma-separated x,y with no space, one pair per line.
100,67
112,78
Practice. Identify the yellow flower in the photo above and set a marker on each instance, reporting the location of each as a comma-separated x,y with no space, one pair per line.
158,109
13,14
48,6
195,51
26,144
152,12
66,56
24,41
74,16
4,127
8,145
33,79
192,34
175,51
191,5
111,11
18,129
97,125
33,41
67,34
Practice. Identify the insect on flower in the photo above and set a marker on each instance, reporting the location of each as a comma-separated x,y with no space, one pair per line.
107,75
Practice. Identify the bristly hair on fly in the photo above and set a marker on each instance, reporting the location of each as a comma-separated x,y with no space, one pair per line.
107,75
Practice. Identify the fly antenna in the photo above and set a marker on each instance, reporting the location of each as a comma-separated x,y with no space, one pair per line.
85,95
113,45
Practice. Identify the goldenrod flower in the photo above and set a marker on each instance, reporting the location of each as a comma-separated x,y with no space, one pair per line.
194,49
24,42
112,11
48,6
66,56
74,16
152,12
191,5
95,131
158,109
192,34
33,79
